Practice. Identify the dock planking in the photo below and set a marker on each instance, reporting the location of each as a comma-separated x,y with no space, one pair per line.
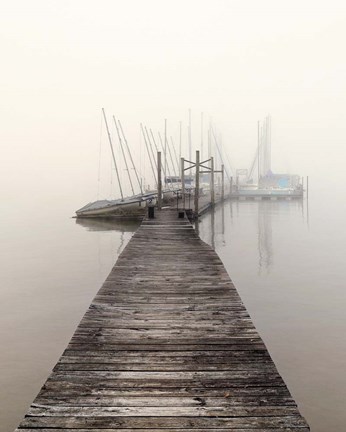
166,345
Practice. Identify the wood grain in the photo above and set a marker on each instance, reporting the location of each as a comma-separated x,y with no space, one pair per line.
166,345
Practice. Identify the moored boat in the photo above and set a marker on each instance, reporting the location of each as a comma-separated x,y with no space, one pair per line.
134,206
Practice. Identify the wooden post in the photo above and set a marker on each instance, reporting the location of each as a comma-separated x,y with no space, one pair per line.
182,181
212,192
197,185
222,182
231,188
159,182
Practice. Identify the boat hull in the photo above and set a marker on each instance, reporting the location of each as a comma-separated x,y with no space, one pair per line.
124,209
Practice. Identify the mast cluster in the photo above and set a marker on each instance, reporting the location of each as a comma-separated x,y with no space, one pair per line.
172,154
261,164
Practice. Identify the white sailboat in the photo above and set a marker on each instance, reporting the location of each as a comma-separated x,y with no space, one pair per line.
124,207
129,207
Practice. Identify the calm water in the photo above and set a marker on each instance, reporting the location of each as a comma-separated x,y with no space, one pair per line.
286,261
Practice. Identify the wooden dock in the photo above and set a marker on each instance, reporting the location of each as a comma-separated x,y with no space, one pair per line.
166,346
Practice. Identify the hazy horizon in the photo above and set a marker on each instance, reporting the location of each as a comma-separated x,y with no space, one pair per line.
146,61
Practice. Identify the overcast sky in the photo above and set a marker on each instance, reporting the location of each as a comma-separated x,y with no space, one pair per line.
235,61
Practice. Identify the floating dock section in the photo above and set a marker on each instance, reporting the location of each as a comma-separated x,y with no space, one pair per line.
264,194
166,345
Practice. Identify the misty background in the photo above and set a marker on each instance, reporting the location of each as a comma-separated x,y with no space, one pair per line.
144,61
62,61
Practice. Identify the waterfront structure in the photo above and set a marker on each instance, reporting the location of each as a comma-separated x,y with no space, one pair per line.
166,345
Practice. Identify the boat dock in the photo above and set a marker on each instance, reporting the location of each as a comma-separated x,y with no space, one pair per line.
266,194
166,345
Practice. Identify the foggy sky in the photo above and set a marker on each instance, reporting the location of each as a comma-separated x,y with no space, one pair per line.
235,61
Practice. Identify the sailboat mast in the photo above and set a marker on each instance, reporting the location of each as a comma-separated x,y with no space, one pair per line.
110,143
216,145
269,144
157,149
151,162
151,147
170,155
128,150
175,154
180,127
258,152
166,165
165,150
201,136
123,153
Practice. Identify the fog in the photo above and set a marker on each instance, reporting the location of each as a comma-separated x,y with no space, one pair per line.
146,61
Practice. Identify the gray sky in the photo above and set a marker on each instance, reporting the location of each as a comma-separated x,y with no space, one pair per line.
148,60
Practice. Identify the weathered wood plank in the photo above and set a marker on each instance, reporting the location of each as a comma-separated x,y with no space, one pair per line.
133,401
116,323
60,367
160,346
166,345
204,422
167,377
290,429
57,389
163,411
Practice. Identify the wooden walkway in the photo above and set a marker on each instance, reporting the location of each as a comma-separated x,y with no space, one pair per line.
166,345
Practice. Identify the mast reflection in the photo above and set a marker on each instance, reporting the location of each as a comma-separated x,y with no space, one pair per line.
265,236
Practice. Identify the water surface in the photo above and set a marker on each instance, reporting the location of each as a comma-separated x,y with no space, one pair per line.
52,266
286,260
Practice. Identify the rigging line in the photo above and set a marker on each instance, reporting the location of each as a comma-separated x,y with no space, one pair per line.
111,181
110,143
257,154
141,169
224,152
175,154
128,150
151,162
122,150
252,168
167,165
170,155
157,150
217,146
151,147
180,127
229,162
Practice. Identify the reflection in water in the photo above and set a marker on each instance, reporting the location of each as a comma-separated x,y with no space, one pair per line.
307,211
116,242
121,244
265,236
264,210
93,224
297,300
